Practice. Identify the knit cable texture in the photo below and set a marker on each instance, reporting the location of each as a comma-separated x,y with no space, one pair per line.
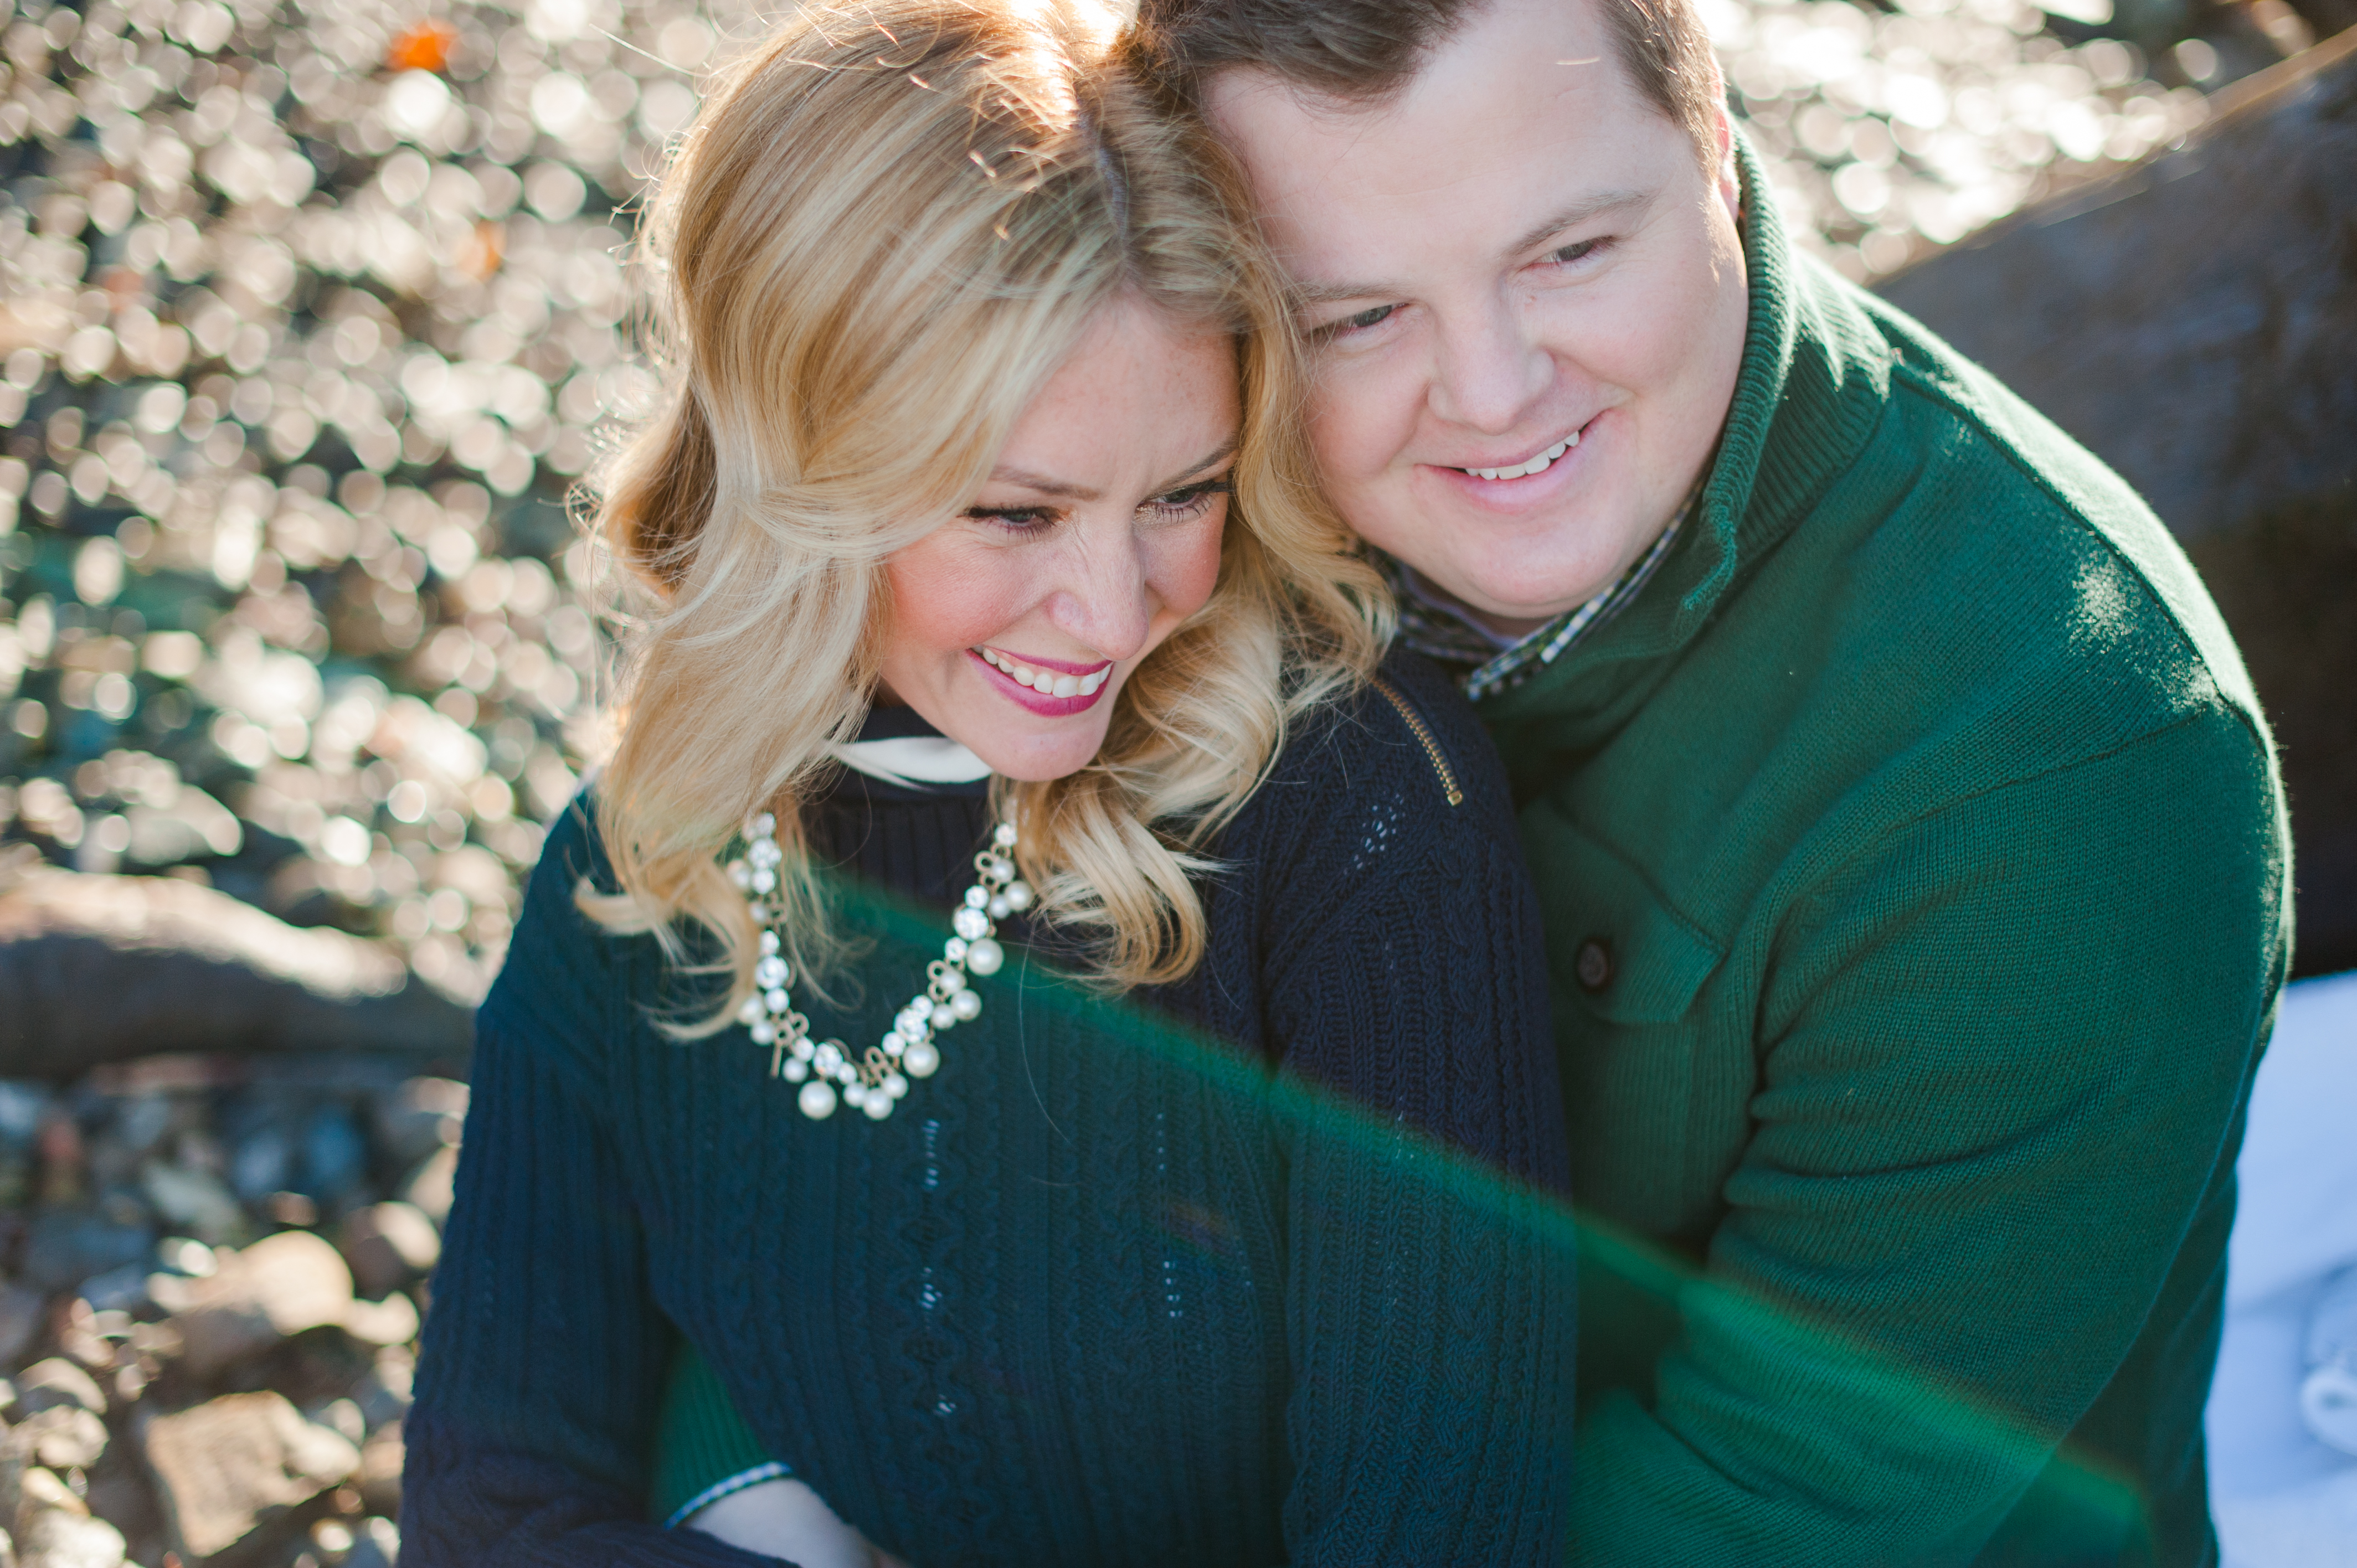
1265,1267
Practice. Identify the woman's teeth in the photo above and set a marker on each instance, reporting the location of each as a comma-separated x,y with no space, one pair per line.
1047,683
1538,464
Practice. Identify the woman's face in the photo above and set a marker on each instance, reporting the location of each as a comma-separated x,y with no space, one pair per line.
1097,534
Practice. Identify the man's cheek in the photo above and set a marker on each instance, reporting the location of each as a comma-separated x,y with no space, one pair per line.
1360,424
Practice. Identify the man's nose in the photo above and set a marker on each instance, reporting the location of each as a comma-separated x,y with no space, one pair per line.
1488,368
1102,601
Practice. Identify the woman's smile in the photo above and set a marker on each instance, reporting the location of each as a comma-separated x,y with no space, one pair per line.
1050,687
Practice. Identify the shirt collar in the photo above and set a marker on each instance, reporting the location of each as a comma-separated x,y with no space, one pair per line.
898,755
1487,661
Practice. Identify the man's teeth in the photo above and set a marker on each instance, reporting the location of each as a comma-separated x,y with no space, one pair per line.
1538,464
1047,681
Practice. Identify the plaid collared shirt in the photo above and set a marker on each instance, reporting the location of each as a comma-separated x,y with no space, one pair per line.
1487,663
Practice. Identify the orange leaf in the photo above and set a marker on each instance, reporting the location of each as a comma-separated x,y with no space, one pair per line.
490,250
425,47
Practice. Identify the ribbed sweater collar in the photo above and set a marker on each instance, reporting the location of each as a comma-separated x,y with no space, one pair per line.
1811,388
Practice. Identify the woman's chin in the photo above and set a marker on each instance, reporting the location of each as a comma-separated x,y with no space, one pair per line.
1035,758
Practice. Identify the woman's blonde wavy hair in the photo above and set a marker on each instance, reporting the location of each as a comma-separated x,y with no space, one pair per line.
888,227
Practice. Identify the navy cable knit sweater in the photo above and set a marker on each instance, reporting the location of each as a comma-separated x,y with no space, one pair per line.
1184,1283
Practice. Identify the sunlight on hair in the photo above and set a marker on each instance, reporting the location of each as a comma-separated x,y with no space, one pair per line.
853,305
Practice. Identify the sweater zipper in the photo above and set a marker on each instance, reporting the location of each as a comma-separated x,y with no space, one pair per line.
1422,734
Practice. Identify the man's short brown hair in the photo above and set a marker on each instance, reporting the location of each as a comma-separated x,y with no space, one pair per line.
1365,51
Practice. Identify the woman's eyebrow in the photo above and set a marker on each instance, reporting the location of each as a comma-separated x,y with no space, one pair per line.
1040,485
1220,454
1064,489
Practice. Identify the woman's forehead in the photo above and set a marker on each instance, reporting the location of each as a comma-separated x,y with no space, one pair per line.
1141,399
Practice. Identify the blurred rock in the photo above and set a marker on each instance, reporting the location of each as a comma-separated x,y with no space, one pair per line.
45,1385
264,1160
67,1246
191,1259
428,1188
23,1313
119,1493
123,1288
2194,322
192,824
383,1395
54,1537
196,1202
282,1285
63,1437
30,1489
154,1122
392,1321
65,1159
98,968
380,1474
334,1157
88,1335
375,1544
389,1245
226,1467
425,1114
21,1108
341,1417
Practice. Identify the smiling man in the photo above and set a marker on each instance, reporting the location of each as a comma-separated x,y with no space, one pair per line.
1915,867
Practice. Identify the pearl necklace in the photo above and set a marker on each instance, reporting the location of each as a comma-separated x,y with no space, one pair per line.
876,1080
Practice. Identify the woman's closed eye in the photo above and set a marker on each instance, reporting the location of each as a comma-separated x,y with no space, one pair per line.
1171,506
1016,519
1188,501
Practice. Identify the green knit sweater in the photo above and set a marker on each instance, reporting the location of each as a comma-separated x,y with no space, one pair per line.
1916,882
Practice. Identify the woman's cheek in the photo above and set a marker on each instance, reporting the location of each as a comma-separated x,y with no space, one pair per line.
1184,580
944,597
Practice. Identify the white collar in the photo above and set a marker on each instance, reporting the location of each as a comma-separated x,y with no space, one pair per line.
912,761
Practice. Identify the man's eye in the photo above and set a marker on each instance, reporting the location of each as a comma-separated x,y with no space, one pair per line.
1577,251
1344,327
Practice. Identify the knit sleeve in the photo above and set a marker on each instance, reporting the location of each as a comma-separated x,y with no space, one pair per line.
543,1350
1429,1295
1998,1095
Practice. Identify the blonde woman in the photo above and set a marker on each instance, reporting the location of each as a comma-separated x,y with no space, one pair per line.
1036,1032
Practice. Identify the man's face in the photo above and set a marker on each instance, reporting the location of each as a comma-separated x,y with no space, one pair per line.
1519,264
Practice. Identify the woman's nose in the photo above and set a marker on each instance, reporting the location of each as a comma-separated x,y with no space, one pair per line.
1106,600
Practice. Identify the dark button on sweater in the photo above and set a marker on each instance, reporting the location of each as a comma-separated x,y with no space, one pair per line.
1594,964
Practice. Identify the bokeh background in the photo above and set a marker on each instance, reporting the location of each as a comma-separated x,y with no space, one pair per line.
313,316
